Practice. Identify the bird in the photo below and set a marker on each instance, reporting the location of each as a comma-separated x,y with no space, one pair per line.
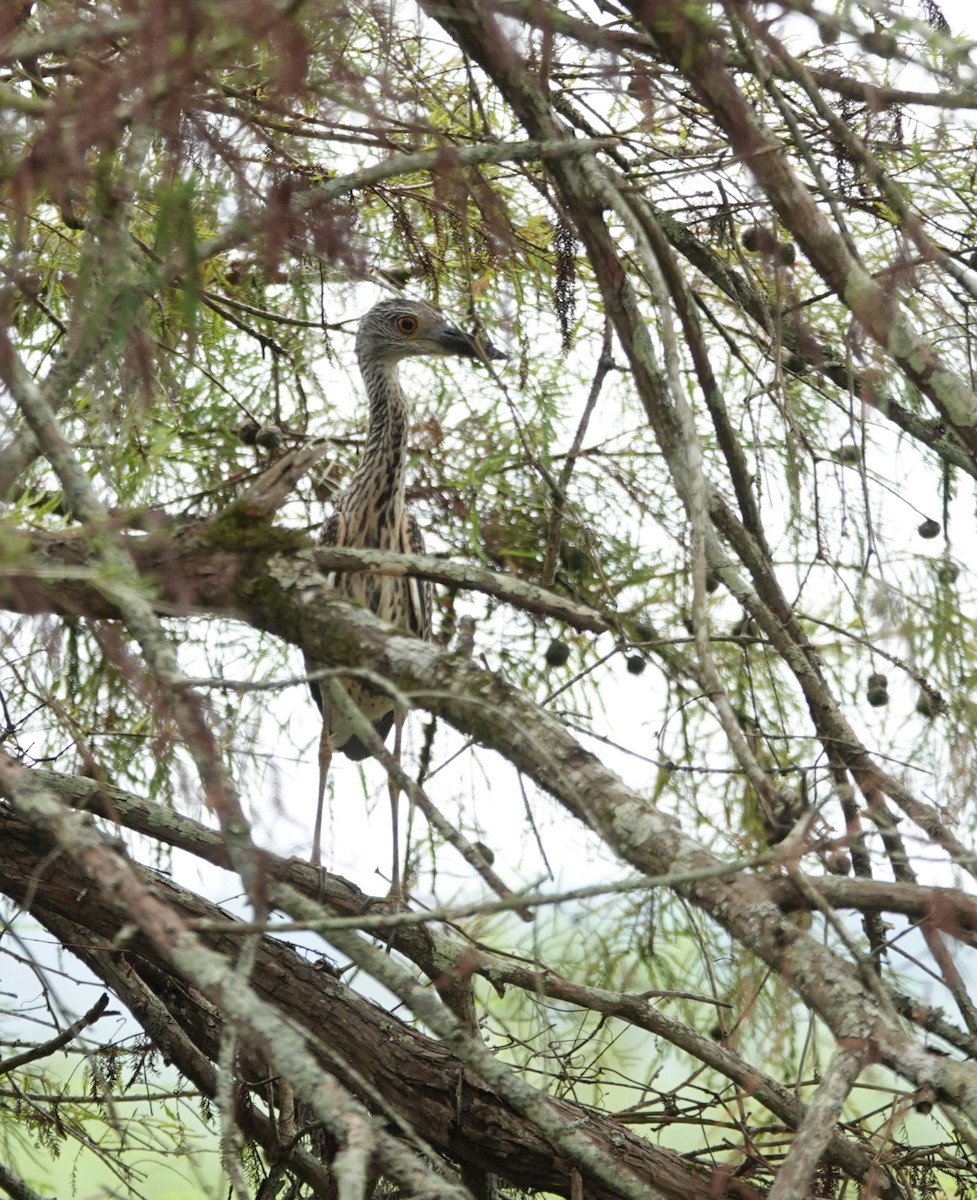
372,512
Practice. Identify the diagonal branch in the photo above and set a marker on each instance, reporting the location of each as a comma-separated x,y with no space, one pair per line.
275,1040
95,1013
795,1174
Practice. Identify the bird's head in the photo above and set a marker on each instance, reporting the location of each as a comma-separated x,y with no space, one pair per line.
396,329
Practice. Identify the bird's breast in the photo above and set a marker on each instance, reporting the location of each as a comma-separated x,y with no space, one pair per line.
390,597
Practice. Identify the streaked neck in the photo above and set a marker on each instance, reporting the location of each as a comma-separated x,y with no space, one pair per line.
380,478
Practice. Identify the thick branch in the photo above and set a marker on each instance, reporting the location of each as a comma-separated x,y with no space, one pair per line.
795,1174
190,567
414,1076
286,596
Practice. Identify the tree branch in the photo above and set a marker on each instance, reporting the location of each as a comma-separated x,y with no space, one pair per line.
453,1110
288,598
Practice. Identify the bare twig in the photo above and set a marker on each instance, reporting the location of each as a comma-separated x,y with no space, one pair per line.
57,1043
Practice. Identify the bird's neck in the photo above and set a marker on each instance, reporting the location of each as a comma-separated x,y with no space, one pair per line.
379,479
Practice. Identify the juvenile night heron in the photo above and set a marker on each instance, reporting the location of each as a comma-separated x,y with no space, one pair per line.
372,512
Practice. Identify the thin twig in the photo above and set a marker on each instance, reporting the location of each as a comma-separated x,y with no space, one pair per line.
57,1043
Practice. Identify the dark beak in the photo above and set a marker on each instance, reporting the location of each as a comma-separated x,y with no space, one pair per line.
467,345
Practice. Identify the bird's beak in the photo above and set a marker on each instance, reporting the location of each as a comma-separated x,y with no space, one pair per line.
466,345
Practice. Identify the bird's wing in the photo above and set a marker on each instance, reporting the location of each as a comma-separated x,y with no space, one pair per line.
412,541
333,531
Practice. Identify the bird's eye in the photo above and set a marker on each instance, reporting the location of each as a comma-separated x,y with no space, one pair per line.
407,325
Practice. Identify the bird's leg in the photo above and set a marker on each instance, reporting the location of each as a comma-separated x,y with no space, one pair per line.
325,758
393,786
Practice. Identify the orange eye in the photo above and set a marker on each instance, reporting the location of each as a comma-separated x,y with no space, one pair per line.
407,325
